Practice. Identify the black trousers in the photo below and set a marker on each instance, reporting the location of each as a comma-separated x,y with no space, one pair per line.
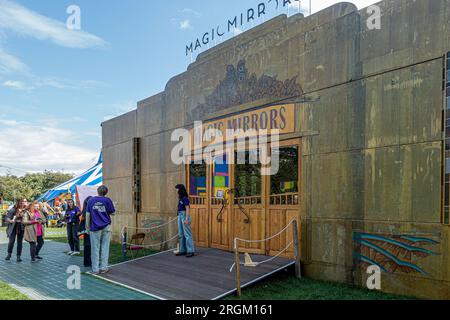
12,241
87,251
35,248
72,237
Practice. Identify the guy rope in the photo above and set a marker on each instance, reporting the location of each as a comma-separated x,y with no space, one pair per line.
249,263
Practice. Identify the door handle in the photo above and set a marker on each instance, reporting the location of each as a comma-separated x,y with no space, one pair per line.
241,208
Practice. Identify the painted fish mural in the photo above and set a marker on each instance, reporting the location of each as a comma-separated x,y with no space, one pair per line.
393,253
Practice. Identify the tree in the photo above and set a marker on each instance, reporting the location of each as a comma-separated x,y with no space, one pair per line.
30,186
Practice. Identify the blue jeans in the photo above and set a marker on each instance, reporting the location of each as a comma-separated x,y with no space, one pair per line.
100,241
186,238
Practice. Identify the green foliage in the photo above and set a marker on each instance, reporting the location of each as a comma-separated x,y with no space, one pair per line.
30,186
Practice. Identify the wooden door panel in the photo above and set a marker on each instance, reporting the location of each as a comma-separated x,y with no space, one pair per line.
219,230
250,231
195,225
203,226
276,222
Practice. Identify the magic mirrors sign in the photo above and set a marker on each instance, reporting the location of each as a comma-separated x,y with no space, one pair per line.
263,122
260,11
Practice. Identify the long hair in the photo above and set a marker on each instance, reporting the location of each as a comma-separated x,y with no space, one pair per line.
18,205
182,192
69,207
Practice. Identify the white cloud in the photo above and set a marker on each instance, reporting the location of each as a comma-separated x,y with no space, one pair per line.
25,22
191,11
10,64
120,109
18,85
185,24
35,148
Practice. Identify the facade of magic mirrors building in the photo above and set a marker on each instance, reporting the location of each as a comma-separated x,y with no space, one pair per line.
363,152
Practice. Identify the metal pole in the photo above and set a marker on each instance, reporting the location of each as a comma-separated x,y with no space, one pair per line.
298,269
124,244
238,268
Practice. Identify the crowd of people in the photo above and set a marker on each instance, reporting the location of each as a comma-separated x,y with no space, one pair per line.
28,221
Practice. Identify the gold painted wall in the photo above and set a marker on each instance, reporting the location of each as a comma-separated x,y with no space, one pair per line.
374,165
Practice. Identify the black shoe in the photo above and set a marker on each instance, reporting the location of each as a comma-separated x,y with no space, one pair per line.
39,258
8,258
18,259
190,255
180,254
34,260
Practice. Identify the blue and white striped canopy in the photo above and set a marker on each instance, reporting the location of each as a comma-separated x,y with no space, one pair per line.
92,177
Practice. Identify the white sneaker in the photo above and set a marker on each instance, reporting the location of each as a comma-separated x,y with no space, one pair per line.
75,253
69,253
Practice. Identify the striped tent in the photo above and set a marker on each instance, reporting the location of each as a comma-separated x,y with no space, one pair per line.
92,177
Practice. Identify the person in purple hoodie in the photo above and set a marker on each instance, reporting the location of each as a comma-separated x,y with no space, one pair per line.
98,224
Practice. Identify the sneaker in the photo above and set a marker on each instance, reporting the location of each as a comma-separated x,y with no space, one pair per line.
34,260
18,259
39,258
104,271
190,255
69,253
76,253
8,258
181,254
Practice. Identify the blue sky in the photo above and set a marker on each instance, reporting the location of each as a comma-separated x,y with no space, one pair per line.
57,85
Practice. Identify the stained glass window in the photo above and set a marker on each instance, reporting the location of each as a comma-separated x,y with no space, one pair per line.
221,177
197,180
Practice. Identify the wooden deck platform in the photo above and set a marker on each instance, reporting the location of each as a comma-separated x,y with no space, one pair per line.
205,277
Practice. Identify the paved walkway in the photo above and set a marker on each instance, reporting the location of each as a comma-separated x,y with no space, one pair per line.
47,280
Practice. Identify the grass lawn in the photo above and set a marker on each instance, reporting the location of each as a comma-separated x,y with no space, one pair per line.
286,287
115,251
8,293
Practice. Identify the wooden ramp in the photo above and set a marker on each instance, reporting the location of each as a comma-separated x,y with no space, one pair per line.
207,276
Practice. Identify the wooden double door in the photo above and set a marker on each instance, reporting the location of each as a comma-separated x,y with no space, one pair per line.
231,196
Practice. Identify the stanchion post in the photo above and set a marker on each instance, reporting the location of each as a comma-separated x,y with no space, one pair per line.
238,268
124,244
298,268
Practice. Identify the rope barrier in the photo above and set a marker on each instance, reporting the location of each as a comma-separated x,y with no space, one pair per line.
152,245
265,261
264,240
150,228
